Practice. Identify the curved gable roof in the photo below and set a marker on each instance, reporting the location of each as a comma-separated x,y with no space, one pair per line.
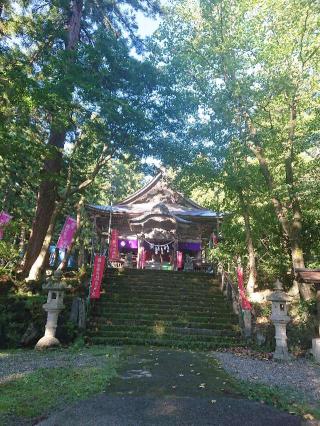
141,191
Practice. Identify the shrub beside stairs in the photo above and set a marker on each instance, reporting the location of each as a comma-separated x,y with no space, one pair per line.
163,308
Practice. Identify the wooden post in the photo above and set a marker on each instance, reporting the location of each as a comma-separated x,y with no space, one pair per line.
317,285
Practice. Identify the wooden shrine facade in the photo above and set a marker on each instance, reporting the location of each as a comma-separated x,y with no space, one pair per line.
157,227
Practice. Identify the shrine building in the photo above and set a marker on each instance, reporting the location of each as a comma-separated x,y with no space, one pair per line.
156,228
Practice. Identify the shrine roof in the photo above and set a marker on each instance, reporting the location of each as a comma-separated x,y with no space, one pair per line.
142,208
157,191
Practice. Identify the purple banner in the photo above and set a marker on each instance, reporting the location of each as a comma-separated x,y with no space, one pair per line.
189,246
67,233
4,220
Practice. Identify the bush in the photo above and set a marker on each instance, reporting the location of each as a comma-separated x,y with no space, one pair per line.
18,312
9,257
302,328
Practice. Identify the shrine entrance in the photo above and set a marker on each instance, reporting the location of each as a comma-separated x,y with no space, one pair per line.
155,228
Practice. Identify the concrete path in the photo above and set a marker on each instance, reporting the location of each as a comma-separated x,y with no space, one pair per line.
166,387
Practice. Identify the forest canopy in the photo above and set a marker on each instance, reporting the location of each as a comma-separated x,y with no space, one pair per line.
225,94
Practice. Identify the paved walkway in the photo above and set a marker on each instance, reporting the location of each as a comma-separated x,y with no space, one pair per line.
166,387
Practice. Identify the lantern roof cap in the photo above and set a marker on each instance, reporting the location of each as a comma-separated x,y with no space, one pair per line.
279,295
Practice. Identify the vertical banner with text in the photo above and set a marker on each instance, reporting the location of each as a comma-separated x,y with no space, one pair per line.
67,233
245,304
97,274
114,249
143,257
179,259
4,220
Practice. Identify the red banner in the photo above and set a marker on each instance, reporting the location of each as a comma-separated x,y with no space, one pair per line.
245,304
114,249
179,259
97,274
214,239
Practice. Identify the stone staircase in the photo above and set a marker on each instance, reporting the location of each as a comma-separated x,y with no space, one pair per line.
163,308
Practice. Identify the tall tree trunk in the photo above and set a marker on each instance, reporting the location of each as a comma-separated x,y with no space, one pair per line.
47,195
38,266
252,279
296,222
46,201
291,230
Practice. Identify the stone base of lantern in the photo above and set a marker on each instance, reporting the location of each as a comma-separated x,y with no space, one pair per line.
282,354
316,349
47,342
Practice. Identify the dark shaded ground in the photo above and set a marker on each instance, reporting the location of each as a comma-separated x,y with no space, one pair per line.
167,387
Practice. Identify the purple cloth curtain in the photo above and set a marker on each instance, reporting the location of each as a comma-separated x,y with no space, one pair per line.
189,246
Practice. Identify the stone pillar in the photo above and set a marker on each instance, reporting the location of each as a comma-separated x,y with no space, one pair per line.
247,321
316,340
316,349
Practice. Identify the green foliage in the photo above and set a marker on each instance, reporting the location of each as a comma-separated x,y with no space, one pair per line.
283,398
303,327
37,393
96,94
18,311
251,133
9,255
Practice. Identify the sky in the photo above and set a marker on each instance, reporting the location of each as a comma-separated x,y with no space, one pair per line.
147,26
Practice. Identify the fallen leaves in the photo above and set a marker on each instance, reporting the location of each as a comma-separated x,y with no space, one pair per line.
308,416
248,352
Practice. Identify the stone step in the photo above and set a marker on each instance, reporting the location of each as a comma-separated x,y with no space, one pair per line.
136,309
162,308
169,335
168,329
116,299
181,295
154,272
166,278
219,325
165,317
160,285
142,286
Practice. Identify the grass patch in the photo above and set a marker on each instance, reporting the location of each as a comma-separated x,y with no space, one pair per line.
37,393
284,399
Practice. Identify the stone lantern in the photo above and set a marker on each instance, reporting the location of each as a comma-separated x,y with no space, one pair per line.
53,307
280,318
